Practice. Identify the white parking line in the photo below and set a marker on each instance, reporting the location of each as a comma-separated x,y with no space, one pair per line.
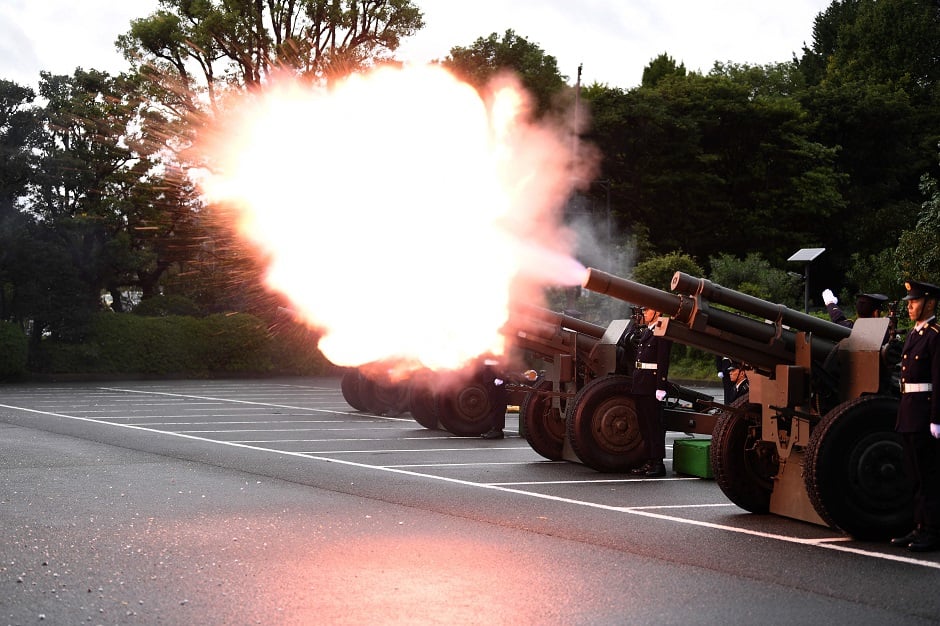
828,543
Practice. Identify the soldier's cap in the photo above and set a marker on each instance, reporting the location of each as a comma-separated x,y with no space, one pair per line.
875,298
917,290
868,303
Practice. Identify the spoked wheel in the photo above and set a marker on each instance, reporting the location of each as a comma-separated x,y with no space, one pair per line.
350,388
854,470
422,400
467,411
542,425
743,465
603,425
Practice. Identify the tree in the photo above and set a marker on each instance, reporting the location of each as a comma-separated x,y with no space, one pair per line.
755,276
918,251
243,42
659,68
658,271
478,63
718,152
19,132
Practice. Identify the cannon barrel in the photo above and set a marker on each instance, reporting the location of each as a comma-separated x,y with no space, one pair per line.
726,333
537,329
716,294
561,320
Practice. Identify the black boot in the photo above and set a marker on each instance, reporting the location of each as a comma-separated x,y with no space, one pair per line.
907,539
493,433
927,541
656,470
642,469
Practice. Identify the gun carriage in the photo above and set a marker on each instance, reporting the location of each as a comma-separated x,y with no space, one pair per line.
814,439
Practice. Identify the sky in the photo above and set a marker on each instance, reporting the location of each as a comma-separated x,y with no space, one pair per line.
612,39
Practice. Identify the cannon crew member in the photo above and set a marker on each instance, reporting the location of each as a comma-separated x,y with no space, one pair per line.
866,305
649,389
918,419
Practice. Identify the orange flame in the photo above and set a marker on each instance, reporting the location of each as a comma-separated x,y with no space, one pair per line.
401,211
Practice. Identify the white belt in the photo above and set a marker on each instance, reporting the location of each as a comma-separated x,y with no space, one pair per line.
915,387
646,366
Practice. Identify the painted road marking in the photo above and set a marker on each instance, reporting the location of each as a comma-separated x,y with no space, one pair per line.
828,543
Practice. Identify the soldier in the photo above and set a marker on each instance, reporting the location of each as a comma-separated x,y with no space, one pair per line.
738,377
649,389
919,415
866,305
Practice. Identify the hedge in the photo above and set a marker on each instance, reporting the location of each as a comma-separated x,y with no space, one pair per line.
13,350
125,344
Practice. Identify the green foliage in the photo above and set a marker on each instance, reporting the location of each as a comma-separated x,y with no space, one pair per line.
246,42
720,154
658,271
13,350
918,251
121,344
755,276
659,68
162,306
876,273
487,57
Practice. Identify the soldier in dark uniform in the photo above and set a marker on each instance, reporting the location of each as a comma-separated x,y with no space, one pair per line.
738,377
648,390
919,415
723,365
866,305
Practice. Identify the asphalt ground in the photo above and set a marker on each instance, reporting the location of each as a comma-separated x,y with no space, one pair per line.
273,502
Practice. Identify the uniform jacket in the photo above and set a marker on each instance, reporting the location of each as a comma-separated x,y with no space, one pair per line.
651,349
838,317
920,363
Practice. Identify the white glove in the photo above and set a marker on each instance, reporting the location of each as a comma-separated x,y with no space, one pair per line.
721,374
935,430
829,297
661,393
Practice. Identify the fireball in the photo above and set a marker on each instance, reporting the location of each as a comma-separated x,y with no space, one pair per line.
402,212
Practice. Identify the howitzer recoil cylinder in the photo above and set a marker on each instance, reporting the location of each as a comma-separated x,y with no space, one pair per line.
716,294
722,332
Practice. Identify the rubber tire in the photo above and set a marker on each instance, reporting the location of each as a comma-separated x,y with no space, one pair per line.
422,401
855,473
603,427
466,411
349,385
743,465
383,398
542,425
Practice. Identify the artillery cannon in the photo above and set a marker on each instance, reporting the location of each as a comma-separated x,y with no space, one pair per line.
814,440
576,354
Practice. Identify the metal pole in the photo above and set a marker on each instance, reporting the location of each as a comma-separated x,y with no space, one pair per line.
806,289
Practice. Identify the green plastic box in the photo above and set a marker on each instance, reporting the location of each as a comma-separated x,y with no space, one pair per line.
690,457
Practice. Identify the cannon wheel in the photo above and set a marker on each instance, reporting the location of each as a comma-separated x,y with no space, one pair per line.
349,385
743,465
382,398
466,411
542,425
854,470
603,425
422,401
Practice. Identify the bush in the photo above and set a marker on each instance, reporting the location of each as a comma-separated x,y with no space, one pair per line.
13,350
121,344
163,306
